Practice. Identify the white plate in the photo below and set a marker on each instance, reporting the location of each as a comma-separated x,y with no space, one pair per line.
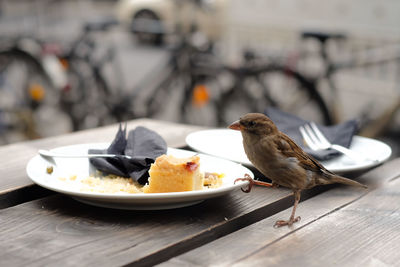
65,167
226,143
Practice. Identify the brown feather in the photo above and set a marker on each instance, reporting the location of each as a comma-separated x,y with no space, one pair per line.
280,159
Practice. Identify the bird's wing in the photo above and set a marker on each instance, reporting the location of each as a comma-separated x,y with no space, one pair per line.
290,149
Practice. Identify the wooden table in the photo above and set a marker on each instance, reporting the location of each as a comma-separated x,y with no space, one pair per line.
340,225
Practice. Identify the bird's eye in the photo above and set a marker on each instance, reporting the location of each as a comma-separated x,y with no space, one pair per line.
252,123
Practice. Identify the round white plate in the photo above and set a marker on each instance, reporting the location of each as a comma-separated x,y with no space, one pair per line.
65,167
226,143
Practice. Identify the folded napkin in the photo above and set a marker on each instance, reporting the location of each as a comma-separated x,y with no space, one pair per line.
340,134
142,145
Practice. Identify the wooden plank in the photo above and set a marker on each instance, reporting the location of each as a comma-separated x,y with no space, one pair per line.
74,233
14,157
340,226
60,229
364,233
22,195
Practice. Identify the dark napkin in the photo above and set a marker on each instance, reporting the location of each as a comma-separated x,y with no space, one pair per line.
340,134
142,145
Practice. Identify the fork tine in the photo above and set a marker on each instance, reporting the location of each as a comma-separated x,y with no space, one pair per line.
319,134
313,136
307,138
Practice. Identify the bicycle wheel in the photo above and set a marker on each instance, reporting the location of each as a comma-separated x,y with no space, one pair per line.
278,87
163,101
87,98
29,103
295,94
237,101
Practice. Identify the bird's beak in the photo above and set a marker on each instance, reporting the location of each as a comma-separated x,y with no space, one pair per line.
235,126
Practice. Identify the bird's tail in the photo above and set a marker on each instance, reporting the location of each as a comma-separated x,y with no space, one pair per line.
347,181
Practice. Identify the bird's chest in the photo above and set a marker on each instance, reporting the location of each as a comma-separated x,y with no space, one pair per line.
282,170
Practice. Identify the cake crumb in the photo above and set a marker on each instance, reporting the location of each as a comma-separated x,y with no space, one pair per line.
49,170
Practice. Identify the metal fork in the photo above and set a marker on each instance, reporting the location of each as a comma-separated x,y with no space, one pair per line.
317,141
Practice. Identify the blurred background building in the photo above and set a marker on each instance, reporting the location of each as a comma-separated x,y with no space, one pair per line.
272,28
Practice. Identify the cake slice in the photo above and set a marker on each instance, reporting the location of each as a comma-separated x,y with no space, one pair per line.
171,174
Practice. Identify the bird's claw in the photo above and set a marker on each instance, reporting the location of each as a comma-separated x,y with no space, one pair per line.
289,222
253,182
274,185
246,178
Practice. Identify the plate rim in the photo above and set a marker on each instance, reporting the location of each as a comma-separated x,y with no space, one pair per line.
203,194
345,169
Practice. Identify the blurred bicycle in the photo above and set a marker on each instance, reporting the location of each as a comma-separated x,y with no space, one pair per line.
49,88
357,61
30,94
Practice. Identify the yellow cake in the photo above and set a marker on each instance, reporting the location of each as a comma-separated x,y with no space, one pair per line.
171,174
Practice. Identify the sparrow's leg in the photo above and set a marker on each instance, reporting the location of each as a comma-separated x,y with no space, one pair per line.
292,219
253,182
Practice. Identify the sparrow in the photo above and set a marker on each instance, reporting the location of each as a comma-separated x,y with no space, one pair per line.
281,160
